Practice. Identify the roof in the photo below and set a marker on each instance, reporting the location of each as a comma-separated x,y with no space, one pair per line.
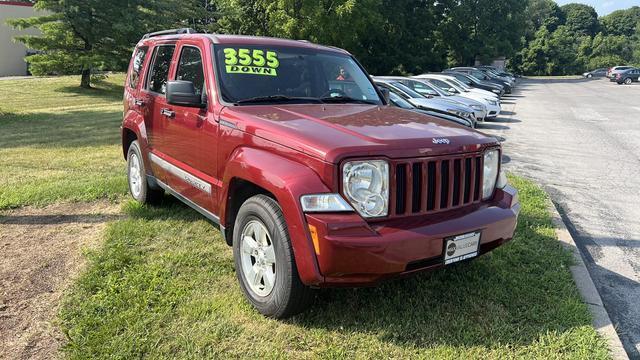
248,40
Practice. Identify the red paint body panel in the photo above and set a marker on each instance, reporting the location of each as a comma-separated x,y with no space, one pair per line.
353,252
294,150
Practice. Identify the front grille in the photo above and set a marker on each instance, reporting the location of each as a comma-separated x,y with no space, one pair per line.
422,186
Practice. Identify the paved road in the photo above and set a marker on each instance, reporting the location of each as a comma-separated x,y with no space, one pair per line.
580,139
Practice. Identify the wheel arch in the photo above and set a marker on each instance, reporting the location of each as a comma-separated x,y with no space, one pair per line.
250,171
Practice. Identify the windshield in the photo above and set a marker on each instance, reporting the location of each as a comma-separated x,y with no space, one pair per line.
473,78
398,101
423,88
407,90
264,74
460,84
441,86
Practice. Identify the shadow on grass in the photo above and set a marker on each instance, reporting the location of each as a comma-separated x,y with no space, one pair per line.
515,296
105,90
70,128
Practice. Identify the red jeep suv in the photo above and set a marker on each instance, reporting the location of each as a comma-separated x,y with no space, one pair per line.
312,178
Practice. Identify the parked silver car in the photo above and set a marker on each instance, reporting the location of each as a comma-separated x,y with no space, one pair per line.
439,105
427,90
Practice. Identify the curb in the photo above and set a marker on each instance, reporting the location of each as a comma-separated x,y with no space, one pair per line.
587,288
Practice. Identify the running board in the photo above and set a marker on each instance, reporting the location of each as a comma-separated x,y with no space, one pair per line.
206,213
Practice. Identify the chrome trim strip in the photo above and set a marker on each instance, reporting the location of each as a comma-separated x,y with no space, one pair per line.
206,213
192,180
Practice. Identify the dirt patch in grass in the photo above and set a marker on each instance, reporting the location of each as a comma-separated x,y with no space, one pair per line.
40,253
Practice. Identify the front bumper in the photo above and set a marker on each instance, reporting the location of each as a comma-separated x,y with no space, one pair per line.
479,114
352,252
493,111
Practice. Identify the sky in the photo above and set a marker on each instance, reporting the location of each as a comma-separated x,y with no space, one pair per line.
604,7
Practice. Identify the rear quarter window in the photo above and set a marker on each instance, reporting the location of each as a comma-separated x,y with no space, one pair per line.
136,66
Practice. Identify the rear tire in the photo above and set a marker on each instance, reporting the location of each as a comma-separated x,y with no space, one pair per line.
628,81
265,264
137,177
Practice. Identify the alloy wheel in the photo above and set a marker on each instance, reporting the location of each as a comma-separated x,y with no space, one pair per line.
135,177
258,258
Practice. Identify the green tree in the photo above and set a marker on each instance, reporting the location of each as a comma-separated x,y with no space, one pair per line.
483,29
610,50
621,22
542,13
581,19
79,36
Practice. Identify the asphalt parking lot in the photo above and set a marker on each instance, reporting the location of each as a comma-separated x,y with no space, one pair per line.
580,139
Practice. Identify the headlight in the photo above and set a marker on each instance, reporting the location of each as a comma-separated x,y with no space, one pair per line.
490,172
477,107
492,102
324,203
366,186
496,91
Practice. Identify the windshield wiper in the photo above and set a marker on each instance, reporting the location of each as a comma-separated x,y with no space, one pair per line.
346,99
277,98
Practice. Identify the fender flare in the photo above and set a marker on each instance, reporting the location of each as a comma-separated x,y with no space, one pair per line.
134,122
287,180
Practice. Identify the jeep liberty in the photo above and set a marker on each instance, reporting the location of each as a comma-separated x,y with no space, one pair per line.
292,151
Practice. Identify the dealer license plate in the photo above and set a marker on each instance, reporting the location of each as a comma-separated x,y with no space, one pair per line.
461,247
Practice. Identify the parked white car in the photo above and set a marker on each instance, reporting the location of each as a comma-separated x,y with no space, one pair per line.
450,84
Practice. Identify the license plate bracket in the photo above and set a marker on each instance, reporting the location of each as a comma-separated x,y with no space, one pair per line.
461,247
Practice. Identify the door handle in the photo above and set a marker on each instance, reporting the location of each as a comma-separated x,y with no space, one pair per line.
138,102
168,113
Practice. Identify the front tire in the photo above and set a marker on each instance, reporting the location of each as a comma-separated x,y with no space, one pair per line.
137,177
264,260
589,76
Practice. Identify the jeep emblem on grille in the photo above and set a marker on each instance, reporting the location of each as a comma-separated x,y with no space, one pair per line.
441,141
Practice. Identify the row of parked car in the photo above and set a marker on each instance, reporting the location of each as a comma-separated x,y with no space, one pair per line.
620,74
464,95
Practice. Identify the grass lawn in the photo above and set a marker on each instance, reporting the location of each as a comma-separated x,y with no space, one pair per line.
59,142
163,286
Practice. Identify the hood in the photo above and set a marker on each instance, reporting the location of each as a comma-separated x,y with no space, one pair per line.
332,132
439,103
465,100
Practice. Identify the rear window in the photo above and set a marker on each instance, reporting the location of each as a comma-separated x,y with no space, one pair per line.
136,66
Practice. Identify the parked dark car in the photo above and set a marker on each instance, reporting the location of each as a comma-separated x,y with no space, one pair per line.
602,72
612,72
498,71
627,76
478,73
472,81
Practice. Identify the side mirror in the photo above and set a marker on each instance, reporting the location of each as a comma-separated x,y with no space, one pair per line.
385,95
183,93
452,90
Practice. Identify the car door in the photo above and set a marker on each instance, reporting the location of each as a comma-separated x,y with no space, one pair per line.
191,133
154,104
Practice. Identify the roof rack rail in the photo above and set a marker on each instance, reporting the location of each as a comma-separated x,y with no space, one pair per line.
170,32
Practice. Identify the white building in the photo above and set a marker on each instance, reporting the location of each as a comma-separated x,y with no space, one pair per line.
12,53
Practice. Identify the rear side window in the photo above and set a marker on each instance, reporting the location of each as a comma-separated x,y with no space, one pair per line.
136,68
190,68
160,68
